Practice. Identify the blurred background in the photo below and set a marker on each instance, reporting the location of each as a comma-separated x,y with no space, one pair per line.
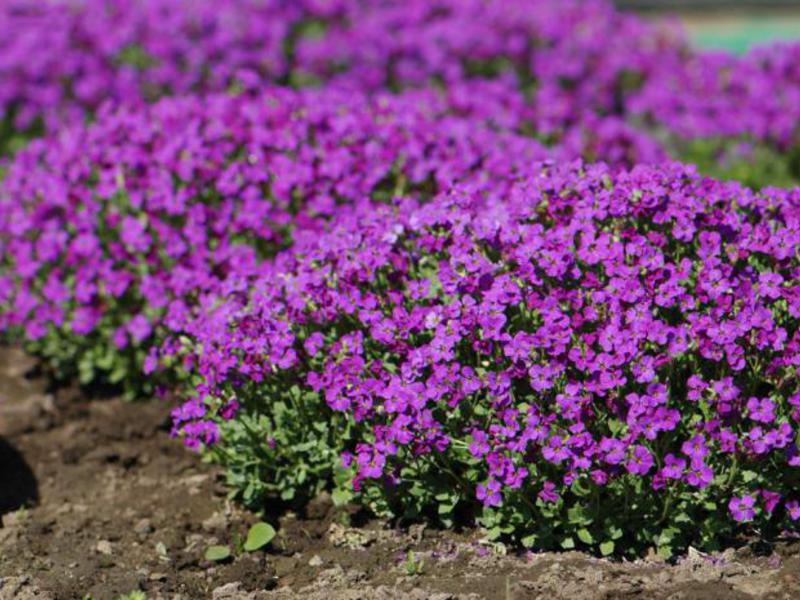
733,25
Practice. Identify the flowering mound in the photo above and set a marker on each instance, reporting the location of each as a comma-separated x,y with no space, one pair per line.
586,69
111,235
598,83
733,116
61,59
601,360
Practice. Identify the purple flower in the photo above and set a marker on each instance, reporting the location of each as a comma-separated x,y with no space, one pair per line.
770,499
673,467
742,508
548,492
700,475
489,494
313,343
695,448
761,409
640,462
139,328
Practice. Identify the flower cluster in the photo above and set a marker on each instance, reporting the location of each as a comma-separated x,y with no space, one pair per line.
592,340
602,84
62,59
717,95
402,275
110,235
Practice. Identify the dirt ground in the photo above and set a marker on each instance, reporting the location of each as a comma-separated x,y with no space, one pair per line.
97,501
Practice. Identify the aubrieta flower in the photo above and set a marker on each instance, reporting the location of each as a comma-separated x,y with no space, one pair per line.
576,72
761,410
742,508
118,233
62,59
382,277
501,344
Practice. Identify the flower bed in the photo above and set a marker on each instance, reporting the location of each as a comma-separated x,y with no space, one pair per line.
598,83
601,360
61,59
110,235
380,288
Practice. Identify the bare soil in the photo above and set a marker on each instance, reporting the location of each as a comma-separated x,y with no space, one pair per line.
96,500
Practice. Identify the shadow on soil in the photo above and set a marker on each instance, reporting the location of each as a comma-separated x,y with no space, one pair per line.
18,486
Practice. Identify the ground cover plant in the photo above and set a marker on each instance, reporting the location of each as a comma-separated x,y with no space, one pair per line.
62,59
112,236
601,84
373,283
600,361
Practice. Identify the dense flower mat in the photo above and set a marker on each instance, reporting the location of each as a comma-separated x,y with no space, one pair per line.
597,359
390,276
605,84
111,235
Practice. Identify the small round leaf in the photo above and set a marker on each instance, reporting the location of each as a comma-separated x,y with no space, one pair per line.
217,553
259,536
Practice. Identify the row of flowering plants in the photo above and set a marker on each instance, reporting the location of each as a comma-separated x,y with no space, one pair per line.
113,236
602,84
399,285
599,361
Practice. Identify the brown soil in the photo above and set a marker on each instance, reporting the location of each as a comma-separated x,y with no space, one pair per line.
97,501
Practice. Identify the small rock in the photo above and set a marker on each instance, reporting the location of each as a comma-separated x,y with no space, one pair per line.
143,527
284,566
104,547
215,522
350,537
316,561
229,590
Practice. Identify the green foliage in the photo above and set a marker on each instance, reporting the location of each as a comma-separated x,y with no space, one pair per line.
413,564
137,595
217,553
755,165
92,359
258,536
291,454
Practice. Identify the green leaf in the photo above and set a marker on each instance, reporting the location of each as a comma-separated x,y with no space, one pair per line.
259,536
585,536
580,488
607,548
341,497
748,476
577,515
615,426
446,509
217,553
614,532
568,543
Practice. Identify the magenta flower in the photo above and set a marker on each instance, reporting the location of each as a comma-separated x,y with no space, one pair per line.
489,494
640,462
548,492
673,467
742,508
761,409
